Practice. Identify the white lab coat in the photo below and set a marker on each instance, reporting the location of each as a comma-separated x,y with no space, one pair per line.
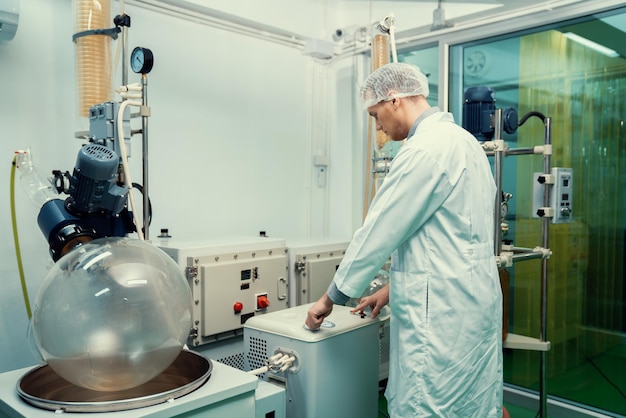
434,215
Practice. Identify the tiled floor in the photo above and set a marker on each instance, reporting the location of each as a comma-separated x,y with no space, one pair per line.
514,411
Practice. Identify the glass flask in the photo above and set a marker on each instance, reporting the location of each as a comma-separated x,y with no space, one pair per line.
38,188
112,314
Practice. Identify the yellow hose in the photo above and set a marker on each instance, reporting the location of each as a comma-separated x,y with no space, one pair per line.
18,253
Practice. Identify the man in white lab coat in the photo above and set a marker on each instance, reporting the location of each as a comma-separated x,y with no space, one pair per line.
434,214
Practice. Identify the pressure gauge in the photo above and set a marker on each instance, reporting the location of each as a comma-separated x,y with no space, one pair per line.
504,205
141,60
504,210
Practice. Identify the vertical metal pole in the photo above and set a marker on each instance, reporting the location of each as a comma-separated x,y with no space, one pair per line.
497,174
144,138
124,57
545,228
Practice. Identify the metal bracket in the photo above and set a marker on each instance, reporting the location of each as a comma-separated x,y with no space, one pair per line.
112,32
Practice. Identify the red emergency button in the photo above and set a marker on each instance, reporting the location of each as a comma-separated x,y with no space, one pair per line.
262,302
238,307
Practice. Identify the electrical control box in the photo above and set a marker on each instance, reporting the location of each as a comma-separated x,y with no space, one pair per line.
103,126
312,266
232,279
560,182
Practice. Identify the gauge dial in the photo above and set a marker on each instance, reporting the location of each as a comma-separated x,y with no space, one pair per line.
141,60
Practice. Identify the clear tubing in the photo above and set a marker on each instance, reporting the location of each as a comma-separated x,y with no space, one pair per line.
93,56
392,36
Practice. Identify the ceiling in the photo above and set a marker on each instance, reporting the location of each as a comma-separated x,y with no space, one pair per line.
508,3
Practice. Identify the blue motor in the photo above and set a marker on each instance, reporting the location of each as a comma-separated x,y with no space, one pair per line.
96,206
478,111
93,185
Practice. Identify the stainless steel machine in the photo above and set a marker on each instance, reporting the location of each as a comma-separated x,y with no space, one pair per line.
312,265
330,372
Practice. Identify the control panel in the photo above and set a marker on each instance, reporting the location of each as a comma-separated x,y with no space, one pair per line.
560,181
561,197
232,283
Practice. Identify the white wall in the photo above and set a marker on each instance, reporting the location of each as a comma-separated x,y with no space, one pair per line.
37,110
227,134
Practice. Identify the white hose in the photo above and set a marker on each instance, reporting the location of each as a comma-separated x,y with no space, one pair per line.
131,95
275,357
129,87
278,362
392,40
288,363
260,370
287,359
118,51
124,156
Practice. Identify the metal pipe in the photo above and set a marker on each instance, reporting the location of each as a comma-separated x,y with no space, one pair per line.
144,139
515,151
497,173
124,56
526,256
545,229
197,13
520,151
519,250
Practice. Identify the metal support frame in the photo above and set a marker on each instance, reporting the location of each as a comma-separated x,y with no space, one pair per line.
144,153
498,149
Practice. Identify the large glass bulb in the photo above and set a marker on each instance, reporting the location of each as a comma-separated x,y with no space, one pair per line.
112,314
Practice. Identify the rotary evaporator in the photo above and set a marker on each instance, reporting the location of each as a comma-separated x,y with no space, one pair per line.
113,314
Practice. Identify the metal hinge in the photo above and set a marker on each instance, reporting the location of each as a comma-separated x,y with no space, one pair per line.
191,272
300,265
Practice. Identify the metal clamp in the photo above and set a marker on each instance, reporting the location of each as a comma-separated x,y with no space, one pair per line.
112,32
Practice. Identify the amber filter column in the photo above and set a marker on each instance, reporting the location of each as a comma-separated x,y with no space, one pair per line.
92,53
380,57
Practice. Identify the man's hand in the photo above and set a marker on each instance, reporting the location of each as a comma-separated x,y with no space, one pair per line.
375,302
320,310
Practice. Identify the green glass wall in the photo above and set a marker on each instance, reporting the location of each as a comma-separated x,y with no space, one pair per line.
583,91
